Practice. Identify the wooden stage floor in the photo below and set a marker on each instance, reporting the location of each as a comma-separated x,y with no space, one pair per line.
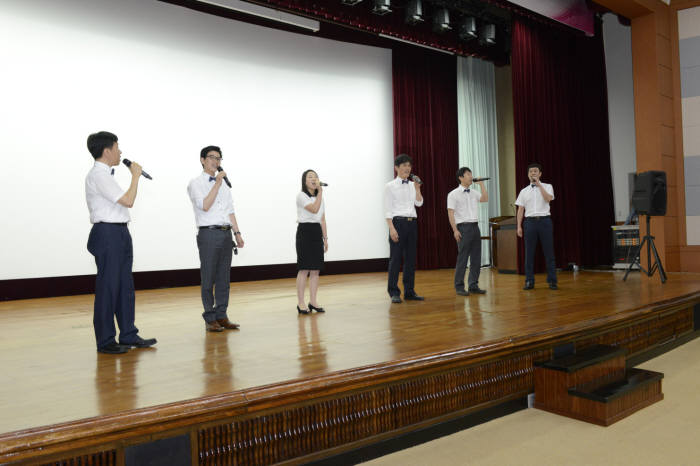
51,372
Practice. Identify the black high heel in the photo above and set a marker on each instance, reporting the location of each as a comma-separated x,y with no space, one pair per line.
314,308
303,311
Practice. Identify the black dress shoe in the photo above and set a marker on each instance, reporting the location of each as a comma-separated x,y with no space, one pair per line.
113,348
396,299
139,342
314,308
413,297
477,290
302,311
553,286
529,285
463,292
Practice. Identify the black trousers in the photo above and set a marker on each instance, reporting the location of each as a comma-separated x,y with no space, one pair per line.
534,229
111,245
404,249
469,249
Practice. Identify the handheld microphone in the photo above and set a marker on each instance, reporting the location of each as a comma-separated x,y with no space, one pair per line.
415,179
127,162
219,169
481,179
323,184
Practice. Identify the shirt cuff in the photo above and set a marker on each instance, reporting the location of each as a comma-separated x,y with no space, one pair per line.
119,196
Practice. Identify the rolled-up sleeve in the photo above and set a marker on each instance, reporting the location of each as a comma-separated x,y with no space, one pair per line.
550,190
229,203
107,186
451,202
387,201
520,201
416,202
196,196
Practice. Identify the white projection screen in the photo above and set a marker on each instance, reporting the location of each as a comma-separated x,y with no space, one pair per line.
169,81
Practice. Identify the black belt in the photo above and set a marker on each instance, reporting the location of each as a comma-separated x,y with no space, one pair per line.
216,227
408,219
537,217
468,223
113,223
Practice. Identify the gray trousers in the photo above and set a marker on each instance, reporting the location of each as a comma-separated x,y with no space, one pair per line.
469,249
215,253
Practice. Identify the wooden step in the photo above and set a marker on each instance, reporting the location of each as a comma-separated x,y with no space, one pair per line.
606,400
553,378
580,360
634,380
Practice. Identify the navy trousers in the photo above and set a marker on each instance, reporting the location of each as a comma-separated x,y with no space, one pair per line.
215,255
534,229
404,249
111,245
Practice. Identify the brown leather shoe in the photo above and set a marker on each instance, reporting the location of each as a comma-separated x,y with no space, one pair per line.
213,327
227,324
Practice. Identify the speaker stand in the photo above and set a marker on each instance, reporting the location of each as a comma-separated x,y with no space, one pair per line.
651,247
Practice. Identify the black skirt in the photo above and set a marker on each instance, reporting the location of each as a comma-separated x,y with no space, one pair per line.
309,246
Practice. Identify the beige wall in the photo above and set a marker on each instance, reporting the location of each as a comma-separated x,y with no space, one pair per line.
506,141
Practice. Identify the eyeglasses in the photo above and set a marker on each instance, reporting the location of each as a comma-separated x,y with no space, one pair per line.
215,157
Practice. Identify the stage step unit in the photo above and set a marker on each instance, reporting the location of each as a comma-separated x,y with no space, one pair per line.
593,385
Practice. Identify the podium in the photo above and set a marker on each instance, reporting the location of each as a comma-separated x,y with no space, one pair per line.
504,231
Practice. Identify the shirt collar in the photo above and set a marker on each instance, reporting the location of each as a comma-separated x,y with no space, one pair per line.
399,180
103,166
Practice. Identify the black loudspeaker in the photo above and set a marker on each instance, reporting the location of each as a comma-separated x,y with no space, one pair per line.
649,197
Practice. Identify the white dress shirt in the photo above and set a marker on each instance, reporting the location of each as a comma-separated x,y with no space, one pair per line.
221,208
464,203
102,193
400,199
303,215
531,198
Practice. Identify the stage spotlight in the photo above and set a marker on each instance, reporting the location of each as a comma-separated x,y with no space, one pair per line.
350,2
441,20
488,34
414,12
467,29
382,7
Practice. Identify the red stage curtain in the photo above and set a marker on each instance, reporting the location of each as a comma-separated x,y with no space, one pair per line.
561,121
425,127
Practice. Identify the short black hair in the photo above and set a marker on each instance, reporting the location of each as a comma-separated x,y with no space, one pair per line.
402,158
203,153
303,183
534,165
461,171
98,142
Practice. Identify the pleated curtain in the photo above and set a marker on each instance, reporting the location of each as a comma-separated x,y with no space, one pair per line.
478,135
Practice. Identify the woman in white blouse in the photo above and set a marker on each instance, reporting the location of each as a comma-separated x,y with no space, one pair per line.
311,241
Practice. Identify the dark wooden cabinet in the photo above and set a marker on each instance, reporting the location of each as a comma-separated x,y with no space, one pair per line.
505,244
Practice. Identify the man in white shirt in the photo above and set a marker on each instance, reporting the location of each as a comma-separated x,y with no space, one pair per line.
401,197
463,213
110,243
215,218
533,205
